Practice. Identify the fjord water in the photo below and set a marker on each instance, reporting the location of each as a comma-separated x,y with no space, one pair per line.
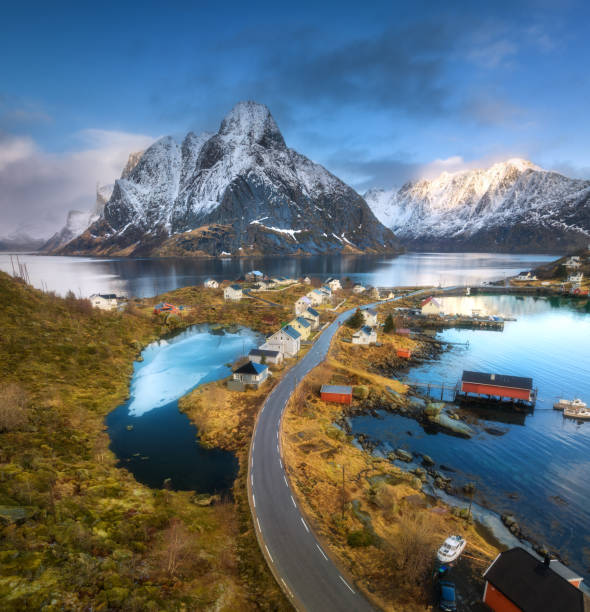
535,467
150,437
147,277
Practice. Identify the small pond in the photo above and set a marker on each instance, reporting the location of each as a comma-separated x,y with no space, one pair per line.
150,436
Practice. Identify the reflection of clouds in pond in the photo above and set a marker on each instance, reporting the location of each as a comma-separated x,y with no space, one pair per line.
172,368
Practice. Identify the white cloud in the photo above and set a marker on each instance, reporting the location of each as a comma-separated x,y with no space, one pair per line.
39,188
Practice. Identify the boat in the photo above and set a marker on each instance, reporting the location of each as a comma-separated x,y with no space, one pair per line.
451,549
577,413
574,404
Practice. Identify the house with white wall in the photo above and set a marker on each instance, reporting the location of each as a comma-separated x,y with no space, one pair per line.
365,335
287,340
104,301
233,292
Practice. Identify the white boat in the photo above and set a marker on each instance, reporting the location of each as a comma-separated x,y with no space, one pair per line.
574,404
577,413
451,549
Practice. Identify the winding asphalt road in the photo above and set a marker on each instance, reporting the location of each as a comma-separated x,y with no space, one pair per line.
303,569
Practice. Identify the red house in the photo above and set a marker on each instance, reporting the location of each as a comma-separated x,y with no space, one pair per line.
518,581
404,353
498,385
340,394
164,307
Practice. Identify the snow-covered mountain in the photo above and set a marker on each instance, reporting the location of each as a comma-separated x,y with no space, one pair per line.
240,191
511,206
78,221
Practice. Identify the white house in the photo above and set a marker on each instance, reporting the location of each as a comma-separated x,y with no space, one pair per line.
233,292
573,262
301,305
431,306
575,278
387,295
358,288
316,297
326,291
287,340
251,374
258,355
526,277
365,335
334,284
370,317
211,283
307,280
104,301
313,316
375,293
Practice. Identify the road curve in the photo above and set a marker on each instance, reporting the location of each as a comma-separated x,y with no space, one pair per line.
304,571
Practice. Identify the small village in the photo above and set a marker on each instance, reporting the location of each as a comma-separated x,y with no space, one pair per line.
399,327
376,321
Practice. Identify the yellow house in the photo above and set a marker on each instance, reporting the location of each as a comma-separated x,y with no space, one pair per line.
303,326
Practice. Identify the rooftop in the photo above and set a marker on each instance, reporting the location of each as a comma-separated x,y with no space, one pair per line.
291,331
251,368
497,380
336,389
313,312
303,322
531,584
263,353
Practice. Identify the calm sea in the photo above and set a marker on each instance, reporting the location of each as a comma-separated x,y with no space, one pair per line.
536,467
147,277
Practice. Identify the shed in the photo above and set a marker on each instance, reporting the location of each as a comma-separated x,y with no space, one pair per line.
340,394
499,385
404,353
517,580
251,374
402,331
269,356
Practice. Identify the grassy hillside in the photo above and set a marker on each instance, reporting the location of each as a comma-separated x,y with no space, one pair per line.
75,531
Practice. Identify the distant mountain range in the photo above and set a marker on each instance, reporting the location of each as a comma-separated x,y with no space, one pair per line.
240,191
20,242
513,206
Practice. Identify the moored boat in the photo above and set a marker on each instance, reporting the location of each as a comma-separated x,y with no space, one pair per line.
577,413
451,549
574,404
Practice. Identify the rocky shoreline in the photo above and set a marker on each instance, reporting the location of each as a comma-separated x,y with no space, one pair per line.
433,417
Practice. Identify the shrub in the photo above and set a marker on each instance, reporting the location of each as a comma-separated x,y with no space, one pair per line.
13,407
362,537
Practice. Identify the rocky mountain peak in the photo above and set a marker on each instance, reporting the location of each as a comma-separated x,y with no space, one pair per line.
250,123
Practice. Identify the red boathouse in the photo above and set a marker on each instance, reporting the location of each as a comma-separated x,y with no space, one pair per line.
514,388
340,394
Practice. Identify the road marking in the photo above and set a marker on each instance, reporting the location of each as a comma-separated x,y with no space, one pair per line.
259,528
278,449
285,479
277,434
305,524
323,553
251,479
280,461
346,583
268,552
254,500
293,501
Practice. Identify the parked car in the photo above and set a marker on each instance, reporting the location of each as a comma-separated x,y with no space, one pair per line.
447,600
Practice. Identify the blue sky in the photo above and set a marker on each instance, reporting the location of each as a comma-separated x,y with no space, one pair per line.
378,93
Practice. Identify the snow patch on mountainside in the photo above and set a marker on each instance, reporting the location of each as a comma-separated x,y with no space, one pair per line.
463,205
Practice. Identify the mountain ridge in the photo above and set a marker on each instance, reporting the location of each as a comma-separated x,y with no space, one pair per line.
240,191
512,206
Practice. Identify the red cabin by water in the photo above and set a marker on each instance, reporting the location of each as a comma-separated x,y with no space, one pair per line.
340,394
498,385
404,353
